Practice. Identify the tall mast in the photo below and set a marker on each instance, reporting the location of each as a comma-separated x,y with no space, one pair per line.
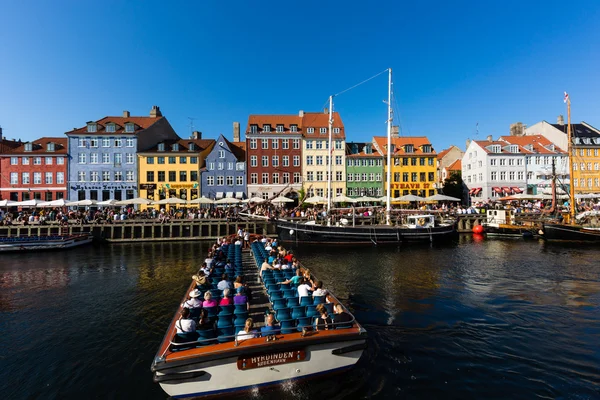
330,156
571,158
388,207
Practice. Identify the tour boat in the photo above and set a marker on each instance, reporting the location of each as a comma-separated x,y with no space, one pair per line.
218,363
502,223
34,243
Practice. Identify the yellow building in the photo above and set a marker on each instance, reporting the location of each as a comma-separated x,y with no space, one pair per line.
414,169
172,169
316,153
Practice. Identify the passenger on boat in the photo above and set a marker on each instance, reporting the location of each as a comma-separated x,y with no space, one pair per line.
239,282
323,322
200,278
228,266
247,332
270,326
265,266
194,301
304,288
226,300
340,316
224,283
208,300
318,289
204,322
206,268
272,257
241,298
295,280
185,323
238,242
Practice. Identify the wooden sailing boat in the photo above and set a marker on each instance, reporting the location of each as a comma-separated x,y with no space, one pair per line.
570,229
423,228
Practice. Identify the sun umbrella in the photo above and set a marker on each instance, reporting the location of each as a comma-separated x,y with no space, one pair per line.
227,200
441,197
110,202
366,199
282,199
82,203
27,203
315,200
254,200
137,200
343,199
6,203
201,200
53,203
170,200
409,197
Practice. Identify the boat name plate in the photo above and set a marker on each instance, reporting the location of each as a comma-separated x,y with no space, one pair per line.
266,360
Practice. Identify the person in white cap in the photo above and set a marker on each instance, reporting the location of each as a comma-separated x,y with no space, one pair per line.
194,301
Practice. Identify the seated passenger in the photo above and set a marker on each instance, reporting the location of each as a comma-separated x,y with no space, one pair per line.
341,316
247,332
265,266
224,283
238,282
194,301
304,289
295,280
208,300
323,322
226,300
200,278
318,289
185,323
270,326
228,266
241,298
204,322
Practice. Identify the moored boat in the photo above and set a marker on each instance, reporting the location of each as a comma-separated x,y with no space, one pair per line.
36,243
502,223
215,361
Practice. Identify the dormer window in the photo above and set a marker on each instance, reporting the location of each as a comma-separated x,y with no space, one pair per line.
92,127
597,140
50,147
266,128
336,130
253,128
495,148
192,146
110,128
279,128
368,149
409,148
513,148
28,146
294,128
529,147
175,147
310,130
426,148
323,131
129,127
161,147
587,140
551,147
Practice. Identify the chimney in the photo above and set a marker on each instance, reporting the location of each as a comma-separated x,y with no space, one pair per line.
326,110
560,120
196,135
468,143
0,133
395,131
301,113
155,112
517,129
236,131
126,114
489,138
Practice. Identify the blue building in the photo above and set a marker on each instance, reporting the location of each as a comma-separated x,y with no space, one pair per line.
102,154
225,171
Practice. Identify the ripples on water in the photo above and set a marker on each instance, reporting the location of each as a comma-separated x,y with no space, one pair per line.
509,319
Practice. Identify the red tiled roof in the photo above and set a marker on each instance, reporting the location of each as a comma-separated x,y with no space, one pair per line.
274,120
539,144
321,120
442,153
309,120
6,146
400,142
39,146
140,122
455,166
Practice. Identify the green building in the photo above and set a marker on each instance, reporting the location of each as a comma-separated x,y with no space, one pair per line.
364,170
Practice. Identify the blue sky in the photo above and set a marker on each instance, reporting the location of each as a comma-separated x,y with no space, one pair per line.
63,63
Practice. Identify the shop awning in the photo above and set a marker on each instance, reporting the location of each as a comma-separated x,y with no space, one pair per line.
506,189
219,195
229,195
472,191
239,195
517,190
477,191
497,190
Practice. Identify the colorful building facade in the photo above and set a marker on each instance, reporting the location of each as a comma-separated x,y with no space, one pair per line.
224,174
364,170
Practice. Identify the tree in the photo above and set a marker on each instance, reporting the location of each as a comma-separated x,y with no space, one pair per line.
453,185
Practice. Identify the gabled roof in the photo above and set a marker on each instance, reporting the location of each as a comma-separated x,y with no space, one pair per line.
531,144
399,142
39,146
6,146
308,120
444,152
455,166
321,120
579,130
361,150
274,120
140,123
184,146
237,148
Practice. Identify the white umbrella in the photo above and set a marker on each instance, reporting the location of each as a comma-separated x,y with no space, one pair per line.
227,200
136,200
282,199
6,203
53,203
27,203
343,199
409,197
201,200
441,197
315,200
170,200
110,202
254,200
366,199
82,203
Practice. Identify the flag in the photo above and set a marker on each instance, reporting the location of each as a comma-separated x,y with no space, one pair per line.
566,97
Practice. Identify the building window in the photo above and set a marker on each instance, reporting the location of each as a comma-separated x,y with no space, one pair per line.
129,157
194,176
275,144
105,142
221,153
220,180
265,177
239,180
309,160
319,175
253,161
172,160
48,160
265,161
229,180
253,128
80,176
266,128
118,176
14,161
110,128
275,179
37,160
309,176
254,179
210,181
253,143
279,128
172,176
149,176
339,176
60,177
81,158
296,161
520,175
129,176
264,144
118,142
14,178
105,176
319,160
293,128
93,158
338,160
296,145
297,177
502,175
275,161
310,130
230,166
37,178
160,160
161,176
150,160
336,130
285,144
323,130
106,158
309,144
182,176
319,144
193,160
94,177
91,127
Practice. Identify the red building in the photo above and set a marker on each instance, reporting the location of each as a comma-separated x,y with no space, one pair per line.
273,154
35,170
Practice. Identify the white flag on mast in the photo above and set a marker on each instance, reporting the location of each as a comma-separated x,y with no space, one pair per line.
566,97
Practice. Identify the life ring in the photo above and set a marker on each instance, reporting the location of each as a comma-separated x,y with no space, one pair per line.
421,221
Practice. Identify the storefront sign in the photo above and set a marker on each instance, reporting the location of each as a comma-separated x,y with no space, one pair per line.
109,186
267,360
148,186
414,185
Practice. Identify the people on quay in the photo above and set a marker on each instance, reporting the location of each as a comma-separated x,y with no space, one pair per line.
340,316
241,298
226,299
194,300
323,322
185,324
248,332
208,300
270,325
224,283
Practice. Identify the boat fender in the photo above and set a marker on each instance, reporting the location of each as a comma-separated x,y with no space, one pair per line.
541,232
291,231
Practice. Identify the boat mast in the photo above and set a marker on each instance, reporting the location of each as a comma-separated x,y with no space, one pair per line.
571,158
329,157
388,206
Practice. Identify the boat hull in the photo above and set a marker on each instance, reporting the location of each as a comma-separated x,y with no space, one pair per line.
571,233
42,243
223,376
364,234
510,230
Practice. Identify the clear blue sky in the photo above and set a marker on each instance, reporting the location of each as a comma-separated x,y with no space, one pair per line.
63,63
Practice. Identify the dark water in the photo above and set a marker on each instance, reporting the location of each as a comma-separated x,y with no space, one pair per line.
490,319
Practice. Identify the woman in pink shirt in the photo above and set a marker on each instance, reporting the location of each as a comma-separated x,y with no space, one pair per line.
226,300
208,300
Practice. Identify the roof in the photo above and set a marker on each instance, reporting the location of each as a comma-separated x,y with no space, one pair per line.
455,166
579,130
399,142
274,120
444,152
308,120
140,124
357,149
532,144
40,146
237,148
7,146
321,120
184,146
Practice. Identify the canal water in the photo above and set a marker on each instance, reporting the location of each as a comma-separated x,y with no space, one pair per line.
476,319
